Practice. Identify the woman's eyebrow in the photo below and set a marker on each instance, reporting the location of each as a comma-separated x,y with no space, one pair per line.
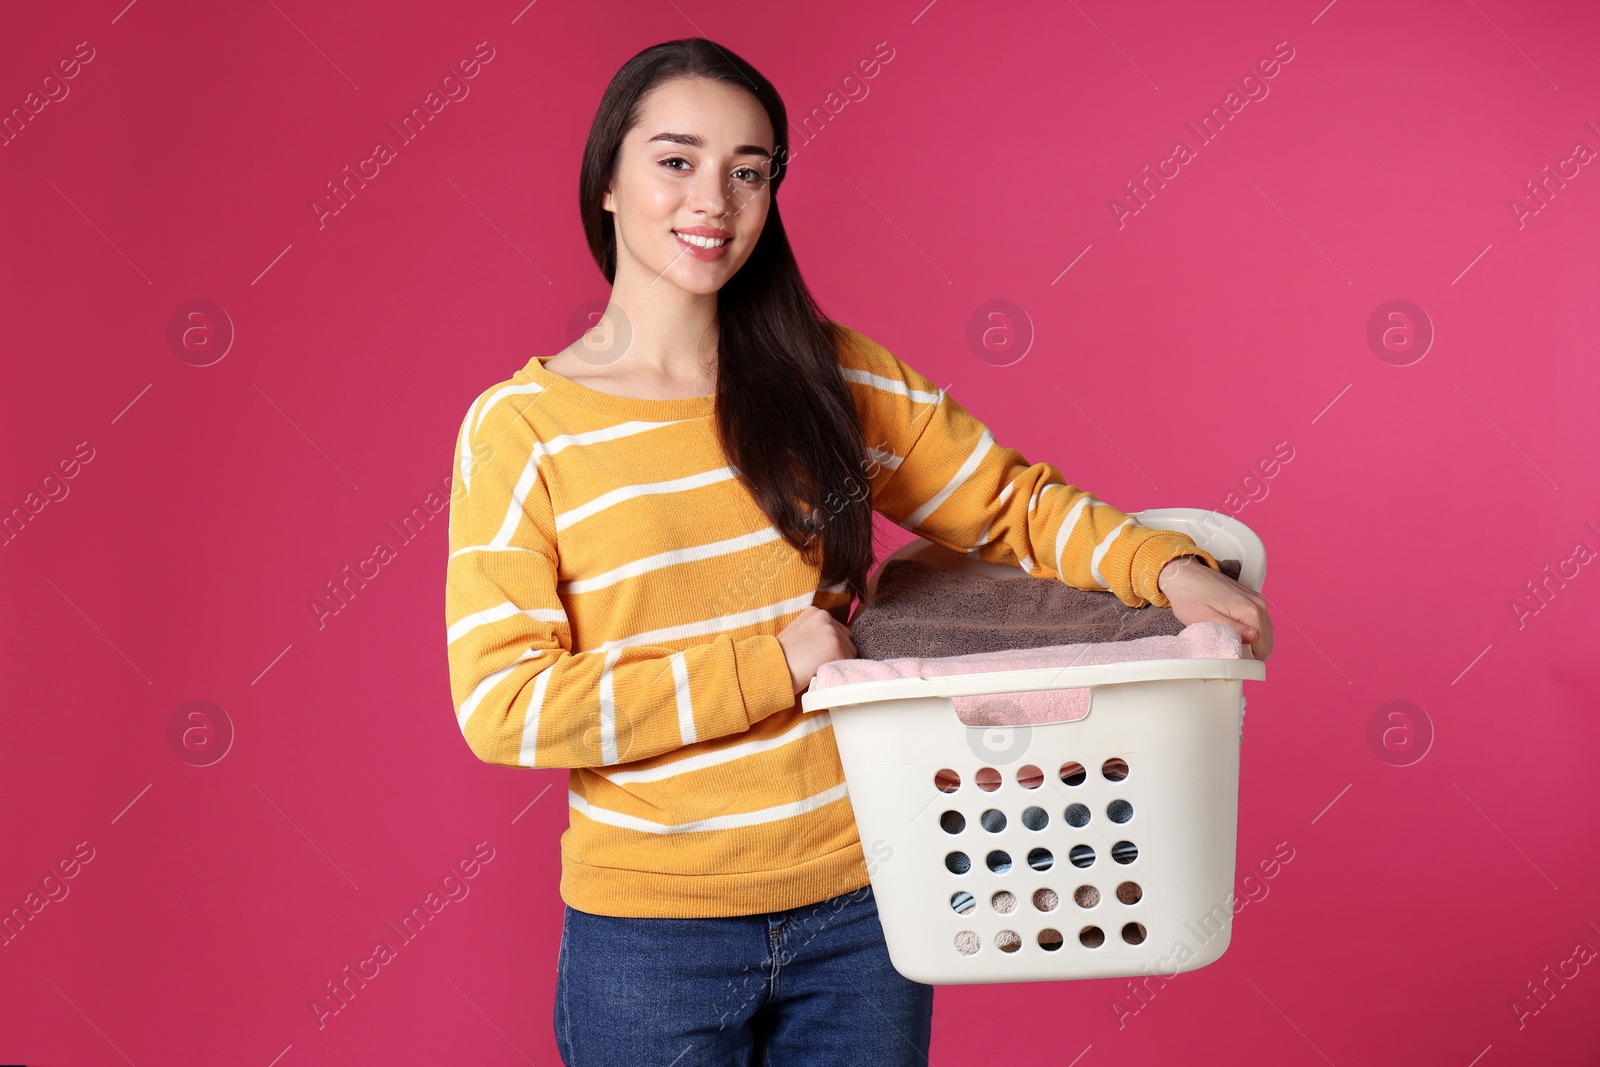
694,140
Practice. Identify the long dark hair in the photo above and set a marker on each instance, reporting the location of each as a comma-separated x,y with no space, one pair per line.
785,417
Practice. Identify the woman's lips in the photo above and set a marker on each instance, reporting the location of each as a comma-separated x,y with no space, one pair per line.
707,254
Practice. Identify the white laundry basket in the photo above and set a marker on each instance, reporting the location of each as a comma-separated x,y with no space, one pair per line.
1094,848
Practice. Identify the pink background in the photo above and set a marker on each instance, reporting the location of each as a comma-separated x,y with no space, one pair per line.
1227,315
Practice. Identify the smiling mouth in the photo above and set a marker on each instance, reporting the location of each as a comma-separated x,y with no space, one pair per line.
701,242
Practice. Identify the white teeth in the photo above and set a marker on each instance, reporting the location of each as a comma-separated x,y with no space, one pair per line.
703,242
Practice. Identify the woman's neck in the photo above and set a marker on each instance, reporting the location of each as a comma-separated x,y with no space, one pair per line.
663,331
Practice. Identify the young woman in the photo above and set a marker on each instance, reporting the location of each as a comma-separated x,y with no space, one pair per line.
656,536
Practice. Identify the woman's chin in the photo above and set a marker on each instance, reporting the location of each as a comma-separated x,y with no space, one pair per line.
698,282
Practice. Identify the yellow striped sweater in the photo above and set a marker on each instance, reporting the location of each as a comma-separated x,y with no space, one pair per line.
613,597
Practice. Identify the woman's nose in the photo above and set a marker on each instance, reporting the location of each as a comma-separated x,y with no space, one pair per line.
712,194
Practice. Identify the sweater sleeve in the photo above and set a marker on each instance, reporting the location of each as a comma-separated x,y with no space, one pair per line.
522,696
939,472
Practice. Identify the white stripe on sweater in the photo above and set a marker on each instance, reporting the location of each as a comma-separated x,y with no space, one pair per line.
500,394
470,425
628,492
1069,524
1103,547
608,709
489,616
672,557
464,445
483,688
714,624
890,385
530,724
979,450
514,511
808,725
605,433
490,548
680,691
715,822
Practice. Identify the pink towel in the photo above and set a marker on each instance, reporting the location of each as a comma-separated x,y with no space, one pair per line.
1199,640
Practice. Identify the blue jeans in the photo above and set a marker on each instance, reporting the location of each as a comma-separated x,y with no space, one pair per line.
811,985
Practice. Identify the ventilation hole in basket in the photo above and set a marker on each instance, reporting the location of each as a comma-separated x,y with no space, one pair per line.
1092,937
1004,902
1129,893
1081,855
1040,859
1133,933
962,902
967,942
1029,776
1076,815
1086,896
993,820
1045,899
953,822
1119,811
1035,818
958,863
1073,773
1008,940
947,781
988,779
1049,939
1124,851
1115,770
999,861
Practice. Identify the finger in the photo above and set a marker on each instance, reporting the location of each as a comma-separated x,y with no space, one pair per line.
1265,642
1254,627
1246,632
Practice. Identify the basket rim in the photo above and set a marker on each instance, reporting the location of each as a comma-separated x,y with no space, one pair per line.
1032,679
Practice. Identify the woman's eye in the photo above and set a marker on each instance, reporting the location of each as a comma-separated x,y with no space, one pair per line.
748,175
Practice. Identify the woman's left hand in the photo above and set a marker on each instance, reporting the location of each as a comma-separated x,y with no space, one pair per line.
1200,594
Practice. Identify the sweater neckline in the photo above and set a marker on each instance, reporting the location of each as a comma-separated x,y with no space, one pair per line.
634,407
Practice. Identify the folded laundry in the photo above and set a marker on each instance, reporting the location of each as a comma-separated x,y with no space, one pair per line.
924,610
1200,640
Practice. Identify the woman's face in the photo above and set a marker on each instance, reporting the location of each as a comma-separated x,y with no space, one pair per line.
698,163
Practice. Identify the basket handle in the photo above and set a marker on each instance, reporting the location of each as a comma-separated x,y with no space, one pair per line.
1224,536
1025,707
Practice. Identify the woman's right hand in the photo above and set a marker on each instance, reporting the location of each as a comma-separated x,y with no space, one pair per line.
814,637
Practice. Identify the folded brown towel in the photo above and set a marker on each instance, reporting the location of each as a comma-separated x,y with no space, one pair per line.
924,610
